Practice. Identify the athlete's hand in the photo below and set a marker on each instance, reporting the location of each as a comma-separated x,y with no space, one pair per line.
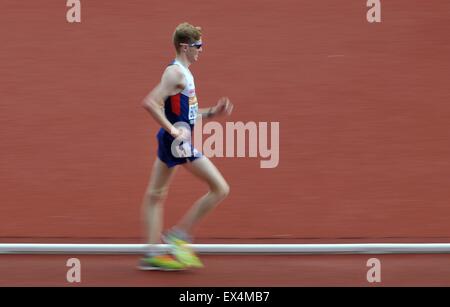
180,133
223,106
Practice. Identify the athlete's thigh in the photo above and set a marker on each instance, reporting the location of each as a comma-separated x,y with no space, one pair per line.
204,169
160,177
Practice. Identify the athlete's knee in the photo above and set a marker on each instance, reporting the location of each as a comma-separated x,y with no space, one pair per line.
156,195
222,190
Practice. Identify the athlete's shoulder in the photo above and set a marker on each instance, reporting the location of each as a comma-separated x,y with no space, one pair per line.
173,78
173,72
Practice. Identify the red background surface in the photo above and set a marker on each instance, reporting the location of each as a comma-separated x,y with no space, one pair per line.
363,111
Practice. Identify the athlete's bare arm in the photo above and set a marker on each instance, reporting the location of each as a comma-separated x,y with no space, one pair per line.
172,82
223,106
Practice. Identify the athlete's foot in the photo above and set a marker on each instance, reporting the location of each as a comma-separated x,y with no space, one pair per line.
161,263
180,242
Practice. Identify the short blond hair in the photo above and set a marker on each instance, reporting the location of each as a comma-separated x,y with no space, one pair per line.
185,33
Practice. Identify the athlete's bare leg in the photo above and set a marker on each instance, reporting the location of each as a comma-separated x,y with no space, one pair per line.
154,198
205,170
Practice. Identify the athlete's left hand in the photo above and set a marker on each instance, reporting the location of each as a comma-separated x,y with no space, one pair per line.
223,106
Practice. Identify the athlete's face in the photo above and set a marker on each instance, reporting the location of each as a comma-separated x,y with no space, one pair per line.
194,50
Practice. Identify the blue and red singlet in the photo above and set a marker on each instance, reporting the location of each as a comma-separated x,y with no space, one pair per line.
179,108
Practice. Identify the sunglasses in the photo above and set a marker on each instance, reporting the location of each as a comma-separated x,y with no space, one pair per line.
197,45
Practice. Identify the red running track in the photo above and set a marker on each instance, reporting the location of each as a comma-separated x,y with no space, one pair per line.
230,271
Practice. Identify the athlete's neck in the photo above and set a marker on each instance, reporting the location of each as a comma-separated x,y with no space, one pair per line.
183,60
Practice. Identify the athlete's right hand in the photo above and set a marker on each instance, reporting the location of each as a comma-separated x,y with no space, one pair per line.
180,133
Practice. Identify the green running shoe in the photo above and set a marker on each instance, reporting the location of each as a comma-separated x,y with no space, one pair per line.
162,263
182,251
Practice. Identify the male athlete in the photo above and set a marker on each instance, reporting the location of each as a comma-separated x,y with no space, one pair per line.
171,102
